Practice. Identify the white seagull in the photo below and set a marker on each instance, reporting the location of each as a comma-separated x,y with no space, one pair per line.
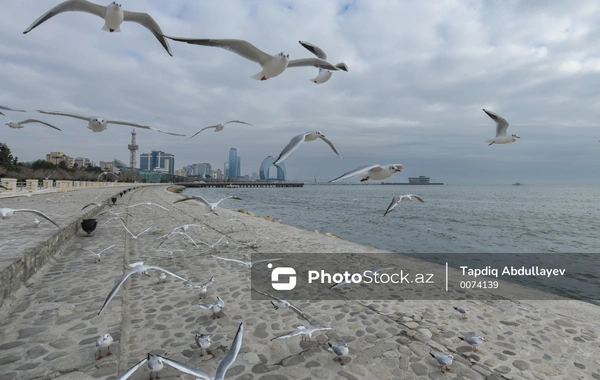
501,127
444,360
103,341
91,204
36,223
111,219
179,233
99,124
339,350
474,341
462,310
299,139
272,65
216,307
283,304
215,243
147,205
306,334
324,75
399,198
138,235
12,109
226,362
246,264
202,289
203,341
219,127
112,14
21,124
7,213
374,172
210,206
135,268
183,227
97,255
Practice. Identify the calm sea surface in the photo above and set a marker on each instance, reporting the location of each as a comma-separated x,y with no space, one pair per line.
550,223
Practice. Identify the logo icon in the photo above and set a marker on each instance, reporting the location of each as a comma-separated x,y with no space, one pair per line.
283,271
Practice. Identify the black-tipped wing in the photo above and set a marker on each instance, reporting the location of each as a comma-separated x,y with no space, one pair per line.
316,62
38,121
145,20
194,198
131,370
67,114
231,354
212,126
230,197
291,147
184,368
37,213
330,144
239,47
392,205
236,121
501,123
11,109
314,49
166,271
115,289
69,6
357,171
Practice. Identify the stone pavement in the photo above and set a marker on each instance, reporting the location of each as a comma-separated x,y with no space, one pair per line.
50,329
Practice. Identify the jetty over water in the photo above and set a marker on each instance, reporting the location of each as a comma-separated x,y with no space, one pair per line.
241,184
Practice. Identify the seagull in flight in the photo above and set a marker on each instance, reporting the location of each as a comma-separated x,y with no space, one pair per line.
216,307
7,213
272,65
202,289
155,363
501,127
135,268
183,227
324,75
283,304
91,204
246,264
219,127
305,333
217,242
138,235
211,207
374,172
399,198
112,14
299,139
147,205
99,124
97,255
21,124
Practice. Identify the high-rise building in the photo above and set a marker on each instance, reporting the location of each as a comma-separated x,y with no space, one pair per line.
57,157
83,162
226,169
234,164
157,159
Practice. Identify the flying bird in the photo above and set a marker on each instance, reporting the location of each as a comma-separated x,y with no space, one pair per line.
92,204
306,334
138,235
443,360
12,109
283,304
501,127
7,213
147,205
324,75
272,65
202,289
246,264
99,124
374,172
215,307
97,255
21,124
135,268
299,139
112,14
399,198
103,341
211,207
219,127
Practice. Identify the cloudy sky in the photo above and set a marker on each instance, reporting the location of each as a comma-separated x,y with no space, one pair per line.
419,76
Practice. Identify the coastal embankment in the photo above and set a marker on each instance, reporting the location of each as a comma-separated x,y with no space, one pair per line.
49,326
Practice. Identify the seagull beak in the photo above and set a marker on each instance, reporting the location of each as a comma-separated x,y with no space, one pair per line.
517,137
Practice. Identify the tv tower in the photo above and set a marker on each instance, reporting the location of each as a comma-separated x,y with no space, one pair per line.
133,147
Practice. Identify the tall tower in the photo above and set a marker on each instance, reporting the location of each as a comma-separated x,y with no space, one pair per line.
133,147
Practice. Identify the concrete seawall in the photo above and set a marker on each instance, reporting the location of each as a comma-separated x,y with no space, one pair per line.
49,328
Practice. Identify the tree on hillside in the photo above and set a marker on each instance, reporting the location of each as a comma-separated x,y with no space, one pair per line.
6,159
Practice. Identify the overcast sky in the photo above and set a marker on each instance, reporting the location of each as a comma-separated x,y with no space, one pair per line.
420,73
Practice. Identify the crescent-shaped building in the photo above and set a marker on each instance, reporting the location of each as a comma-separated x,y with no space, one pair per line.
266,165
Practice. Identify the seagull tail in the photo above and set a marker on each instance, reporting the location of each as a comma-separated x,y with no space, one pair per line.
314,80
258,76
342,66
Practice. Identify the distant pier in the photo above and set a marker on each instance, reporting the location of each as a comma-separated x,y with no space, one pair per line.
241,184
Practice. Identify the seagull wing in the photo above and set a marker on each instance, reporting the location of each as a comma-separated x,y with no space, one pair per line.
145,20
292,306
291,147
166,271
69,6
58,113
330,144
264,261
501,123
233,260
194,198
156,204
117,286
38,121
37,213
209,282
314,49
3,114
167,133
289,335
123,224
393,205
236,121
131,370
357,171
229,197
239,47
184,368
106,249
11,109
231,354
91,204
316,62
212,126
418,197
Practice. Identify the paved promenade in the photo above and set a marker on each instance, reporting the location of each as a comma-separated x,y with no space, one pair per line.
50,328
